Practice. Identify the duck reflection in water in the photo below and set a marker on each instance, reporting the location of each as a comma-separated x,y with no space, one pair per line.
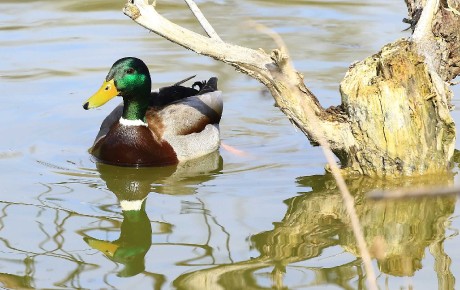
132,186
134,241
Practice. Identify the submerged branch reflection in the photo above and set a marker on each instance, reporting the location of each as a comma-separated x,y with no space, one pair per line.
397,232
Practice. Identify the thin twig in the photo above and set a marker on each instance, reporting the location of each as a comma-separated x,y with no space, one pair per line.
203,21
350,207
272,34
414,192
347,198
214,47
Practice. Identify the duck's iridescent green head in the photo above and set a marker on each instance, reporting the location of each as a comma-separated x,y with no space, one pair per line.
128,77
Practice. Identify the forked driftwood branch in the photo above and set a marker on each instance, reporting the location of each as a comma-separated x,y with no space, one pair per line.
394,118
275,71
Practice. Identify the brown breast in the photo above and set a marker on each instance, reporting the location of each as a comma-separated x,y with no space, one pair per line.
133,146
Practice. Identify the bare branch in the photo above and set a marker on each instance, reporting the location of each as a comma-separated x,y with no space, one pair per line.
424,25
274,71
423,34
146,15
203,21
347,198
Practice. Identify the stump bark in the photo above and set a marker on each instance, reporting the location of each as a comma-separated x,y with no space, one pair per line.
400,122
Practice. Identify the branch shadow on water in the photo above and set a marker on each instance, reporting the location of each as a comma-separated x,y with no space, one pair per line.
398,233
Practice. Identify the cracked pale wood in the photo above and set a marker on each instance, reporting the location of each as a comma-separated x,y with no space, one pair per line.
396,115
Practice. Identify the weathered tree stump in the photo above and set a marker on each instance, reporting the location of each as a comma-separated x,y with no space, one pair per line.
400,123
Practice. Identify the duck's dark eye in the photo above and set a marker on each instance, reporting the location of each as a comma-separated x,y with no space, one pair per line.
130,70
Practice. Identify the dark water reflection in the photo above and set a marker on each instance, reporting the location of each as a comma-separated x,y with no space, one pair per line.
269,218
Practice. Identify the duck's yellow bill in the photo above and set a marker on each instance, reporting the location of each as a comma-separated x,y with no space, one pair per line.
107,248
107,92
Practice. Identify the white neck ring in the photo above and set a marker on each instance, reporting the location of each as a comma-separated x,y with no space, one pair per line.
126,122
128,205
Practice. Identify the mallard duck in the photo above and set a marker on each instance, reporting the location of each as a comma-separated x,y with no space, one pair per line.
159,128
